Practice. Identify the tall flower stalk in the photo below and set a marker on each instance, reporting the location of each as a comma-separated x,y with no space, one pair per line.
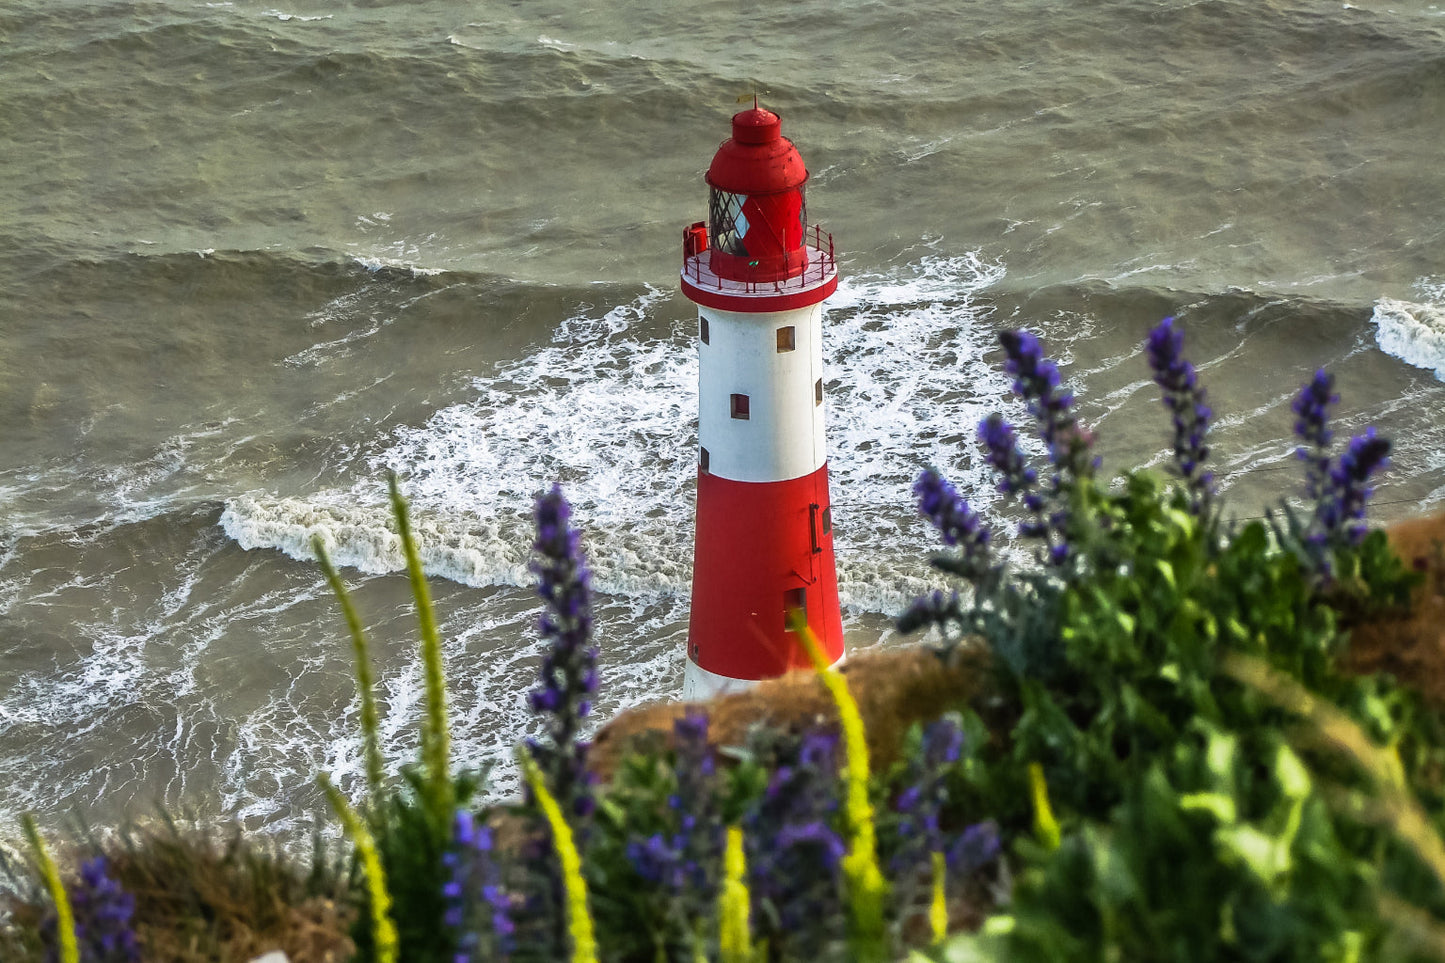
64,911
1070,446
440,792
1312,426
1036,381
1339,490
383,928
735,940
365,686
568,675
1188,410
867,888
578,914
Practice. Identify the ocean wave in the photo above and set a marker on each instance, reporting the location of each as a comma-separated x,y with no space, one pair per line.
1412,331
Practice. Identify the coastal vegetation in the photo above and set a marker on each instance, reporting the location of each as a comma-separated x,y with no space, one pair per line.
1160,738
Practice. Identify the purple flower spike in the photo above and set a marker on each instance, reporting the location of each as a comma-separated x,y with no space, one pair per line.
103,912
1348,488
793,849
478,908
1186,403
684,861
949,513
1001,448
976,847
959,524
1036,380
1312,427
923,797
568,676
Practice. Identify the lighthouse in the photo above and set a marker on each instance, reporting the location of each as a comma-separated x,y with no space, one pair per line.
759,274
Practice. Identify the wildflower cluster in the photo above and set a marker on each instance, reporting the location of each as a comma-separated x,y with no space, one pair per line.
921,801
568,676
923,848
683,862
794,851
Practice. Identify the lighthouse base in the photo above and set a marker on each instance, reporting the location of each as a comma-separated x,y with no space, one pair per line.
700,685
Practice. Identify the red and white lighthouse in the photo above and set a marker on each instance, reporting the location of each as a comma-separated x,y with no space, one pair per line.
764,543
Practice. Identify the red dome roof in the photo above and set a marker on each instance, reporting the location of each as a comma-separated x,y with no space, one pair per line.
758,159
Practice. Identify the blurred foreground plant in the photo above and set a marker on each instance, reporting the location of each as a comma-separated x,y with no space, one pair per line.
1177,821
410,823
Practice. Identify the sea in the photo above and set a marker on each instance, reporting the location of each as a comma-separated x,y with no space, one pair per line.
258,255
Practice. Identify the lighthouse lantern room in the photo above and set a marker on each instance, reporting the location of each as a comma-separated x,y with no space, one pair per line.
759,275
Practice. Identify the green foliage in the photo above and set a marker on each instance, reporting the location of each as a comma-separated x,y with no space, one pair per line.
637,920
1193,829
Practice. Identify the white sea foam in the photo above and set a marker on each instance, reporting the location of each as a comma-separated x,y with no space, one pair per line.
612,416
1414,332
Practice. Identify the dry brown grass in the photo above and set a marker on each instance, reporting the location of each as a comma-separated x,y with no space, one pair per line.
208,897
894,687
1410,645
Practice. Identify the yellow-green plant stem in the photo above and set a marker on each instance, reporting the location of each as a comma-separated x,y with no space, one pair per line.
383,929
938,908
436,732
579,916
1046,827
735,941
64,914
1397,807
866,885
370,723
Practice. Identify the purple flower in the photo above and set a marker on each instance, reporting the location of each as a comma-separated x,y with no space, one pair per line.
1001,449
793,848
478,908
975,847
1342,507
1340,489
1036,380
924,795
103,912
1186,403
568,676
940,502
684,859
920,808
935,608
1312,427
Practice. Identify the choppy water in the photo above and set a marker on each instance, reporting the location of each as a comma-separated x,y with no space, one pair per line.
252,258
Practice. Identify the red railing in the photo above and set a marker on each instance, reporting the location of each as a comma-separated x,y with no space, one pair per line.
822,262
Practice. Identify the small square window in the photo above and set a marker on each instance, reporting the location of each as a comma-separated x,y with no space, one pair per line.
740,407
827,519
795,599
818,392
702,333
787,338
702,459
